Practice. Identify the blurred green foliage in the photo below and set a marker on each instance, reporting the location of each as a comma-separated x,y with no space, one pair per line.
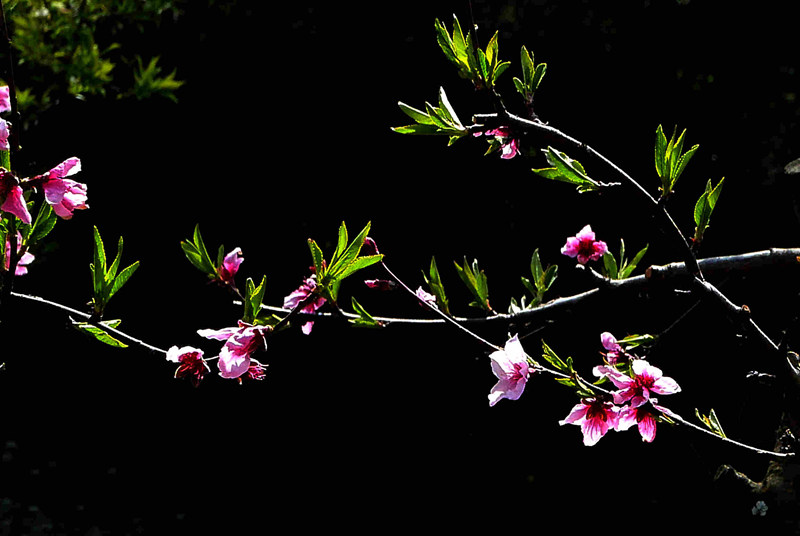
88,48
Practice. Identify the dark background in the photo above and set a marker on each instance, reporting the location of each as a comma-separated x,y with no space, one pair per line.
281,132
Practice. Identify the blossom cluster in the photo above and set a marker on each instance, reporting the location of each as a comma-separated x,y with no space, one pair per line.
631,405
235,358
63,194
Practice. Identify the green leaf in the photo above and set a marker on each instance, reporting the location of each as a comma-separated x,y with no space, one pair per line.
197,254
105,281
364,318
704,207
254,297
348,254
438,120
532,75
434,282
317,257
476,282
99,333
346,260
711,421
45,221
670,161
565,169
610,265
417,115
121,279
629,267
556,362
99,260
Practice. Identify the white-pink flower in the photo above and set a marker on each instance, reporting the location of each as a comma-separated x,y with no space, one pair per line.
301,294
5,99
512,369
584,246
4,133
609,342
595,417
230,265
191,363
240,343
643,417
646,379
22,262
63,194
11,197
425,297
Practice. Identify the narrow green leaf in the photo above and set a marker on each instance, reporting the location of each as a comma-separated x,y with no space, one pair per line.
100,334
350,254
476,282
447,111
565,169
98,267
121,279
661,153
111,273
434,281
317,257
45,221
631,266
364,318
417,115
536,267
341,243
610,264
358,264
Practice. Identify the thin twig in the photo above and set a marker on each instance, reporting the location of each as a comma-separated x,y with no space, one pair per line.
88,318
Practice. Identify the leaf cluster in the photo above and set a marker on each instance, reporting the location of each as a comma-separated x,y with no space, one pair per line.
197,254
345,261
532,75
107,280
541,280
76,48
565,169
565,367
434,282
438,120
711,421
624,268
704,207
670,160
481,67
476,282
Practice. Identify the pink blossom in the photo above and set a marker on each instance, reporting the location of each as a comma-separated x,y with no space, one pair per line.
301,294
65,195
380,284
12,197
5,99
584,246
256,371
614,349
22,262
230,265
509,146
512,369
643,417
595,417
192,364
4,145
426,297
646,379
240,343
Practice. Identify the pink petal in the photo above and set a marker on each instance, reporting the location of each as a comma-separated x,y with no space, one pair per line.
15,204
